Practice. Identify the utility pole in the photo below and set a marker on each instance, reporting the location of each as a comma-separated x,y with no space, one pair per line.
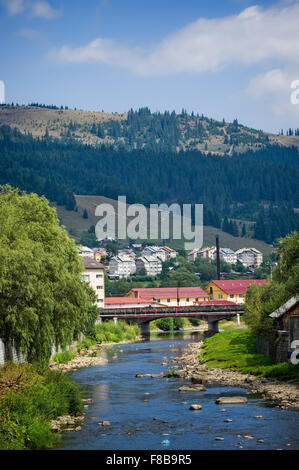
218,258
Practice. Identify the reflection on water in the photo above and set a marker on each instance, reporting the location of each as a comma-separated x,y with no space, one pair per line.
145,411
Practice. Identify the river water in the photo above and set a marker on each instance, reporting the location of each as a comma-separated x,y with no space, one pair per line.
151,414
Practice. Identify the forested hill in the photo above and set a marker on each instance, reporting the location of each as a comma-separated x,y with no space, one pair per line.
142,129
259,187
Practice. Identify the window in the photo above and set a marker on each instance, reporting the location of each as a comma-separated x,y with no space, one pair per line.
187,300
100,301
99,287
85,277
231,296
220,296
196,300
99,275
240,295
211,290
168,300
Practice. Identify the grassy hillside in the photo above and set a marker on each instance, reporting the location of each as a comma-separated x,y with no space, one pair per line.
141,129
76,224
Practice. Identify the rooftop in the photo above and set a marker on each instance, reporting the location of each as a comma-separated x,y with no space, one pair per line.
237,287
169,292
90,263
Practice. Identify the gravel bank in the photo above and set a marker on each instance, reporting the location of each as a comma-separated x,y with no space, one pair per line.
285,395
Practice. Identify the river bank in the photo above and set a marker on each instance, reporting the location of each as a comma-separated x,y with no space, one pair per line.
284,395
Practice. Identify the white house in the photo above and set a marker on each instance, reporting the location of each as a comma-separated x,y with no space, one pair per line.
94,275
151,264
155,251
250,257
122,266
85,251
227,255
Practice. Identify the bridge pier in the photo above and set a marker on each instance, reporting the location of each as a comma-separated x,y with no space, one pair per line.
145,330
213,328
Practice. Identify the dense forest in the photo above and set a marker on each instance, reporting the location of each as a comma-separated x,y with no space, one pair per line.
258,186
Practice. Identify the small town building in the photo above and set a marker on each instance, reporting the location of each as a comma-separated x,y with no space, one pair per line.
121,266
156,251
284,348
250,257
94,275
151,264
228,255
171,296
85,251
232,290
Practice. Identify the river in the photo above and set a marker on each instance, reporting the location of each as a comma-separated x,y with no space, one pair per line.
151,414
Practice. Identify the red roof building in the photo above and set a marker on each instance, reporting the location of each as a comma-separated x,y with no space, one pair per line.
182,296
232,290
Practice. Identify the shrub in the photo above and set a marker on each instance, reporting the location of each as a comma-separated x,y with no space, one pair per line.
63,357
26,412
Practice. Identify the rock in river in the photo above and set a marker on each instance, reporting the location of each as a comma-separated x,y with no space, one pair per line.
192,388
195,407
231,400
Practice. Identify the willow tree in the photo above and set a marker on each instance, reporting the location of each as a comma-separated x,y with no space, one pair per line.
43,301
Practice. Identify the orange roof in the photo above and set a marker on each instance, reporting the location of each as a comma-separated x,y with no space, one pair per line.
168,292
126,300
237,287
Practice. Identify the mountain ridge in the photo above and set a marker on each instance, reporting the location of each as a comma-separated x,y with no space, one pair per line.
141,129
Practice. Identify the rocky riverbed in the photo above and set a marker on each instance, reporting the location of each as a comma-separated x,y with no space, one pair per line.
284,395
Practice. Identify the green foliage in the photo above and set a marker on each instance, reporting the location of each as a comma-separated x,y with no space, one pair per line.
46,166
235,349
260,302
108,332
63,357
43,301
25,414
165,324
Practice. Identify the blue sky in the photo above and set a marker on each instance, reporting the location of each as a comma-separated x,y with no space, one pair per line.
226,58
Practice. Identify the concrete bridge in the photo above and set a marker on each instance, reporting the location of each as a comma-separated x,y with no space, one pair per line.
144,315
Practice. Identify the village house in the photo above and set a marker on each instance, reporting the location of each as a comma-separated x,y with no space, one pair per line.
151,264
155,251
192,255
284,348
94,275
171,296
250,257
121,266
170,253
99,254
232,290
85,251
228,255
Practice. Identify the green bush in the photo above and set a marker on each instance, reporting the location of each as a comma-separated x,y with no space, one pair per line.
25,413
63,357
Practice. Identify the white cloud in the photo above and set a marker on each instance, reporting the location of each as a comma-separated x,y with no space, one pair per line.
14,7
274,89
255,36
40,9
43,9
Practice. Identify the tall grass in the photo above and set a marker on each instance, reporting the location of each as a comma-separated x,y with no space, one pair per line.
236,349
28,405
